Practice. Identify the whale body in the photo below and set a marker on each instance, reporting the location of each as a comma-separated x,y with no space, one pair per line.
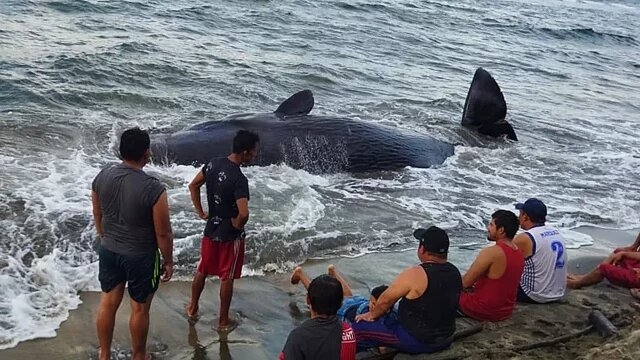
330,144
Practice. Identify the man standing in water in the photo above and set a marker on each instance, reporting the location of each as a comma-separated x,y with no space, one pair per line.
545,256
222,247
131,215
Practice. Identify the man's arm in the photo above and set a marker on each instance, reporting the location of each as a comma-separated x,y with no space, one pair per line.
524,243
631,255
194,190
480,267
97,213
164,234
239,221
400,287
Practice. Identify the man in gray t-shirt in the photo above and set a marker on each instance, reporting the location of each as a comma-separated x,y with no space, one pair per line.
131,215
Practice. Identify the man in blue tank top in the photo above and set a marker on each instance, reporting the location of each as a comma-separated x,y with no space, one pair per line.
428,295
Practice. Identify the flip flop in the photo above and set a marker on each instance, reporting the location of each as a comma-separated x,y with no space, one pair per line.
192,318
232,325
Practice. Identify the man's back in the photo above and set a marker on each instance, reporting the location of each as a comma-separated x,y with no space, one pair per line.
127,197
225,184
320,338
545,273
431,316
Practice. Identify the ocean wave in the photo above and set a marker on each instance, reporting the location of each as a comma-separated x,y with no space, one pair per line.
75,6
588,34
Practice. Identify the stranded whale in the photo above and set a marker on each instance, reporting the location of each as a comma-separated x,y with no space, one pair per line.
329,144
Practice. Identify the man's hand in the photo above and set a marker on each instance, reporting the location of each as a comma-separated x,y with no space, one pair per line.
368,316
622,249
637,271
235,222
203,215
615,258
168,271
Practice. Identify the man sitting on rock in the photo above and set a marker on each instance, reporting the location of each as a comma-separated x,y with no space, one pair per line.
491,283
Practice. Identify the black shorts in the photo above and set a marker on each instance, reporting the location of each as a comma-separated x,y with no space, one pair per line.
140,272
524,298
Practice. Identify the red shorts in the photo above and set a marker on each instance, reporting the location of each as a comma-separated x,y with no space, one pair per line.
622,274
221,258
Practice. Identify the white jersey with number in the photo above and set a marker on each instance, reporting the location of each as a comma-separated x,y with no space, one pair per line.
544,277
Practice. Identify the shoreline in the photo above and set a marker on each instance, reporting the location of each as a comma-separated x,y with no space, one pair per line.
268,307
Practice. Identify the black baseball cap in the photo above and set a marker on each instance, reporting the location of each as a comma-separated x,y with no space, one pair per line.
433,239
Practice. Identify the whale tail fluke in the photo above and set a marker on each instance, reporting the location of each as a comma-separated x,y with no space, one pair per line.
485,109
300,103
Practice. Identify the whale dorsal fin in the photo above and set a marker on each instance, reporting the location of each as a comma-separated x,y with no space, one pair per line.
299,103
485,108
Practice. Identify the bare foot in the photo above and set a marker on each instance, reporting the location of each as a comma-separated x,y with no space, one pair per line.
331,270
635,305
295,276
635,293
227,327
106,356
192,314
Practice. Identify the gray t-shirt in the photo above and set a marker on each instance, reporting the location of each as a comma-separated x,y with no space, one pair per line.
127,197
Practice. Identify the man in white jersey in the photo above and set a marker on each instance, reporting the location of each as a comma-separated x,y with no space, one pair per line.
544,278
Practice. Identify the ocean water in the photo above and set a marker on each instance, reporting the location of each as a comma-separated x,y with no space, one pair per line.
75,73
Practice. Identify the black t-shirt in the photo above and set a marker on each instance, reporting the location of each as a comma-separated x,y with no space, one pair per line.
225,184
315,339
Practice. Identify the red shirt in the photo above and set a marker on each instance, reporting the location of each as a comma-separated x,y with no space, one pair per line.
495,299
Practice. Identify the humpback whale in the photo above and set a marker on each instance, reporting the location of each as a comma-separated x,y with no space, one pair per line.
330,144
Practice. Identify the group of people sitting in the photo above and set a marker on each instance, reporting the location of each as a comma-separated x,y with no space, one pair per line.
529,267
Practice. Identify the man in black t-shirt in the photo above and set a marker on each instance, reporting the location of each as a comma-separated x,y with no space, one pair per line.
323,336
222,248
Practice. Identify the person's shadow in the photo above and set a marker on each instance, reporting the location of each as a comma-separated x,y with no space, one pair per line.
200,350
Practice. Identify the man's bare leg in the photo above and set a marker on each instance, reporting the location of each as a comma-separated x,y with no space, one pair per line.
346,290
105,321
576,282
299,276
226,293
139,328
197,286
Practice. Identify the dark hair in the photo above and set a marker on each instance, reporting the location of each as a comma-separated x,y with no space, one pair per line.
508,221
439,256
325,295
244,141
133,144
378,290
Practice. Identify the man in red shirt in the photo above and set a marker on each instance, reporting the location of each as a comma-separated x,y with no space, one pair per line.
491,283
323,336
